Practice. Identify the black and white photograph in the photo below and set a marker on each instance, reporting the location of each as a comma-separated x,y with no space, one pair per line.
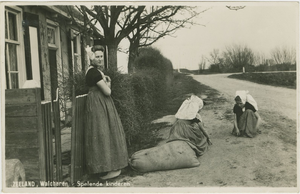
149,96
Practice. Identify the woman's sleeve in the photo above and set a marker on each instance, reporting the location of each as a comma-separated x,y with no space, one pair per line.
93,76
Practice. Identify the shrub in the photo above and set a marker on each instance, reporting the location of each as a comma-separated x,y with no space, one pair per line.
143,86
215,68
250,68
123,97
78,80
80,85
135,98
152,64
276,67
150,58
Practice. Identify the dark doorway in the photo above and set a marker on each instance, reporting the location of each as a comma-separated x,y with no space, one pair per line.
53,72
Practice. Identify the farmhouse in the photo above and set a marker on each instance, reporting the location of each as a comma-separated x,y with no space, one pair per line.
44,48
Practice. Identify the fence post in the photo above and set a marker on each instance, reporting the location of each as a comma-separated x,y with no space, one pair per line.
47,126
77,138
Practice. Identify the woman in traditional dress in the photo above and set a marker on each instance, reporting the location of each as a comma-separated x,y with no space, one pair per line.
105,144
247,119
189,126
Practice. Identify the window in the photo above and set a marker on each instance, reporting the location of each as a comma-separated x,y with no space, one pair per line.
51,33
14,48
56,69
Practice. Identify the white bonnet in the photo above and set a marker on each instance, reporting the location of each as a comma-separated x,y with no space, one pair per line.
189,108
246,97
90,53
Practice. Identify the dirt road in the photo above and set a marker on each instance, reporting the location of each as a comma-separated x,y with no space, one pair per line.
266,162
274,99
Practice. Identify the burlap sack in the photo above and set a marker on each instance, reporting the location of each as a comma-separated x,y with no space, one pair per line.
172,155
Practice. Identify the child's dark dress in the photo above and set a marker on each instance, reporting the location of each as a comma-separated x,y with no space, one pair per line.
246,120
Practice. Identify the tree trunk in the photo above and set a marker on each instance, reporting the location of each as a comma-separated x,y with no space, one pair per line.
133,53
130,63
112,56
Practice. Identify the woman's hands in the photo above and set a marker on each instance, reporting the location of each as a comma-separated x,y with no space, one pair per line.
105,85
201,127
107,78
107,81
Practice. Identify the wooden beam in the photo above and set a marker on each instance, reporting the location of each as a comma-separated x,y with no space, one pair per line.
20,96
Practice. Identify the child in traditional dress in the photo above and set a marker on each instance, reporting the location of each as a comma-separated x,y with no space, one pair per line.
247,119
189,126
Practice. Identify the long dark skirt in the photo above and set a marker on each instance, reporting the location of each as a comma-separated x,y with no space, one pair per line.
105,144
190,133
247,124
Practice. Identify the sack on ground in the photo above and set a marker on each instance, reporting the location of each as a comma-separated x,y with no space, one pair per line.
172,155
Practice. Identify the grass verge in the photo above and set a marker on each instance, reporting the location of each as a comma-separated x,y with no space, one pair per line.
282,79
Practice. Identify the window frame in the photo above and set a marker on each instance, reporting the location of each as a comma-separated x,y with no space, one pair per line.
55,26
21,71
58,53
57,45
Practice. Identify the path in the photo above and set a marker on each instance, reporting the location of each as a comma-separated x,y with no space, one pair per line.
275,99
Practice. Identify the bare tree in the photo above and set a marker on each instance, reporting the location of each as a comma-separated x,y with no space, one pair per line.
238,57
202,64
260,59
215,56
164,23
137,23
284,55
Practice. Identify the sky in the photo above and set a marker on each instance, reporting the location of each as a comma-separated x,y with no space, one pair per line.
261,26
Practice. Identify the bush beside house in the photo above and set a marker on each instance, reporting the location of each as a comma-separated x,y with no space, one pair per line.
138,97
